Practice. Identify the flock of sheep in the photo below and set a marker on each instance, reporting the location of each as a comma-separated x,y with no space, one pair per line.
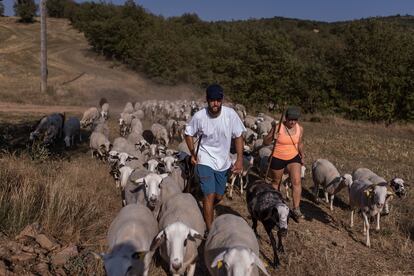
158,213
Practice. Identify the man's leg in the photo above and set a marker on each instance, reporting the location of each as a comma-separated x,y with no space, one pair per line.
207,183
208,210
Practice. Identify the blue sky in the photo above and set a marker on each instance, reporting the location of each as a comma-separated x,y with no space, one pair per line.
322,10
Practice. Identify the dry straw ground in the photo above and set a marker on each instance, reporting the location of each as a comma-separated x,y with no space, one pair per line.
74,198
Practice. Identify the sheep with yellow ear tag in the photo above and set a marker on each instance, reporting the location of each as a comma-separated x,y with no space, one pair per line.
129,239
232,252
370,199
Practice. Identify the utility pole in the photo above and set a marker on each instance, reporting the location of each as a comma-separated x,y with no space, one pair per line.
43,47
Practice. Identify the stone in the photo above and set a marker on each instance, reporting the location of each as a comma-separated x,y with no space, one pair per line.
14,247
60,272
31,230
23,257
3,268
45,242
28,249
64,255
42,269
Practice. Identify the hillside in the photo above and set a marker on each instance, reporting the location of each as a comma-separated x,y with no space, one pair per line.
79,198
77,76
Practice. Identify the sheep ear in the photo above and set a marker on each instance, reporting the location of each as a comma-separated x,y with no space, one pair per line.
139,255
164,175
97,256
260,264
390,194
158,240
218,260
139,180
195,235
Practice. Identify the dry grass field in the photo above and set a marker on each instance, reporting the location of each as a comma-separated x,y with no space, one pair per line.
73,198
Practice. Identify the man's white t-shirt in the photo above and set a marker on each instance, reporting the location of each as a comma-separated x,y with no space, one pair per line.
216,136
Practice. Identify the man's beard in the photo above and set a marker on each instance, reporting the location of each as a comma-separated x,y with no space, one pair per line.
214,113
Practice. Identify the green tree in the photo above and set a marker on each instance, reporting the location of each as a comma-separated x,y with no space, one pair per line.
1,8
56,8
25,9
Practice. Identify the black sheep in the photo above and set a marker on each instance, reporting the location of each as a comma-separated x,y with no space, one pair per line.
267,205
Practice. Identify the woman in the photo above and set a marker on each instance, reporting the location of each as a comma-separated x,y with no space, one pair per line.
288,154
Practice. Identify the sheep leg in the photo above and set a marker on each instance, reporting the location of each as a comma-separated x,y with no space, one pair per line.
352,218
241,183
254,226
280,247
316,192
191,269
147,263
269,232
232,178
326,197
366,225
378,221
332,199
287,192
247,180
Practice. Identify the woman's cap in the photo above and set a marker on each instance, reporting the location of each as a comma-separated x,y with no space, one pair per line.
293,112
214,92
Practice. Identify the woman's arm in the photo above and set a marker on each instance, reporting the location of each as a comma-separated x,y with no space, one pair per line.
300,146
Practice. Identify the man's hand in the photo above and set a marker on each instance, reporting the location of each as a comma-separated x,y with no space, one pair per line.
238,166
194,159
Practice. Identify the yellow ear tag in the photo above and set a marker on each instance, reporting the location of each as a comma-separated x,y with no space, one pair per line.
367,193
219,264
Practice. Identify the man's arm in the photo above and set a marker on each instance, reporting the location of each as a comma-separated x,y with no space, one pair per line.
189,140
239,143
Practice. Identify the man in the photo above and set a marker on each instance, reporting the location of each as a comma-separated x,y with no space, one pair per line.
217,125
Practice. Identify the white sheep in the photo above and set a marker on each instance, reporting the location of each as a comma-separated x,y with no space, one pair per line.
152,190
169,163
160,133
247,165
286,181
370,199
250,122
89,116
182,226
324,173
105,111
129,239
128,108
136,126
230,252
263,128
99,144
125,123
397,184
100,125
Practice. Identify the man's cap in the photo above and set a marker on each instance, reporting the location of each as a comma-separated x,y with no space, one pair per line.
293,112
214,92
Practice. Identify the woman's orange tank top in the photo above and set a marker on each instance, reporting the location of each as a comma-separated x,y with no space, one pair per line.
286,149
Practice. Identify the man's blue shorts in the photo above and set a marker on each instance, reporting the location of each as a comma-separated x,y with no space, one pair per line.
212,181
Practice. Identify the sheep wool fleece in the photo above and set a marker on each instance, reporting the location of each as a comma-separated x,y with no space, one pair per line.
216,136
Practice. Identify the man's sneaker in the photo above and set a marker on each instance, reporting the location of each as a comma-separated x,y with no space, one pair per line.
297,214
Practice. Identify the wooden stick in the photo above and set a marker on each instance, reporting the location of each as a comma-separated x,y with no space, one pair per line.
274,145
